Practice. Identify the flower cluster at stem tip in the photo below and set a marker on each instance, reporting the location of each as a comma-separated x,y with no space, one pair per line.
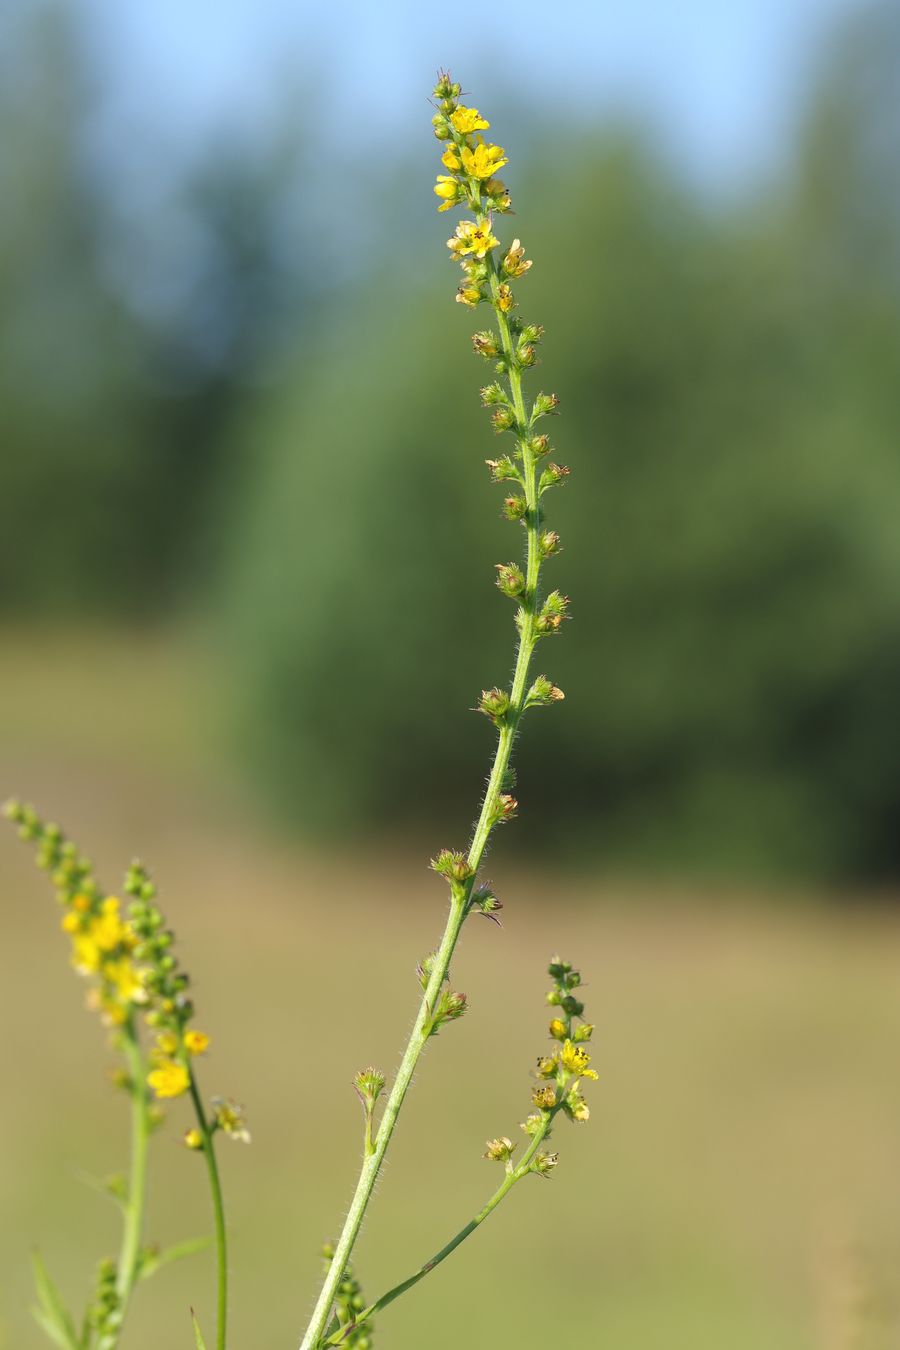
527,472
559,1075
127,956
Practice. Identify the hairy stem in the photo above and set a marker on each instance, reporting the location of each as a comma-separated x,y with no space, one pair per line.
486,822
215,1186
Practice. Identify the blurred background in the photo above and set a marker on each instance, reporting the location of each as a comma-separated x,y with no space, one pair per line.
241,448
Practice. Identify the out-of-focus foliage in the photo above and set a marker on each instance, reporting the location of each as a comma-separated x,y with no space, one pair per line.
125,344
731,413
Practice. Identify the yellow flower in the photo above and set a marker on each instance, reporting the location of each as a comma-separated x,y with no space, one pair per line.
82,903
450,159
515,264
505,301
544,1097
70,923
546,1066
85,954
449,189
193,1138
196,1042
468,119
468,295
107,931
484,160
169,1080
558,1029
576,1059
167,1042
125,979
579,1109
472,238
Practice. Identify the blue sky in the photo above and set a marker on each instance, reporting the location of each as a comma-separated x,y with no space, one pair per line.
717,80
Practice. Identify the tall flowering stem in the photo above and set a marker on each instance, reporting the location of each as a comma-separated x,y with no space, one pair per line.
472,183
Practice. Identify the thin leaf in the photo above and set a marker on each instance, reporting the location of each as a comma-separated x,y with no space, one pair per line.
54,1332
52,1314
112,1188
151,1261
201,1344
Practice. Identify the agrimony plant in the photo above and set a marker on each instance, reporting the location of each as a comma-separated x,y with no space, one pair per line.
128,956
526,472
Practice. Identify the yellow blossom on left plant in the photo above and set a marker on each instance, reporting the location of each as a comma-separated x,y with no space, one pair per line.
169,1079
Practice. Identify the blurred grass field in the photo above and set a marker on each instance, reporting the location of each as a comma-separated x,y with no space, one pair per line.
736,1186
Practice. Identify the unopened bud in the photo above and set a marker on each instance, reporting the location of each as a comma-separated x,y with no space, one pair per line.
510,579
486,344
452,865
494,703
543,405
499,1150
515,508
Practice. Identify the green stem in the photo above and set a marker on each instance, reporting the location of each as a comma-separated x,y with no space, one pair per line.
460,900
215,1186
130,1249
514,1175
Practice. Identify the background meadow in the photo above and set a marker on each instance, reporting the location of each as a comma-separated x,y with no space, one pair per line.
245,553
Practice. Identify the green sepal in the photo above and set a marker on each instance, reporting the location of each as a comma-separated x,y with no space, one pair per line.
198,1336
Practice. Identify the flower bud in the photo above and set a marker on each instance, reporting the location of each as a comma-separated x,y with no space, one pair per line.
506,808
503,469
452,865
425,967
505,299
514,264
548,544
193,1138
494,703
558,1029
499,1150
485,902
492,396
369,1084
468,295
553,611
510,579
552,476
446,87
543,405
441,127
450,1007
542,693
515,507
486,344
